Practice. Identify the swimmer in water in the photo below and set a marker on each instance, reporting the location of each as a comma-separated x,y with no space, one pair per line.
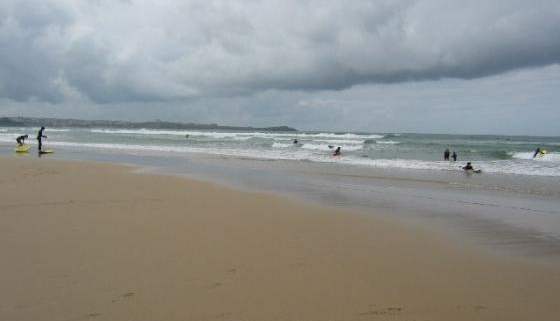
337,152
468,167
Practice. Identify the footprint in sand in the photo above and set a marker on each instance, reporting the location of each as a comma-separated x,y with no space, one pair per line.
129,294
475,309
386,311
479,308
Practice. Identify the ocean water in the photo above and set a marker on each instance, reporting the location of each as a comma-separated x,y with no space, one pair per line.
512,207
492,154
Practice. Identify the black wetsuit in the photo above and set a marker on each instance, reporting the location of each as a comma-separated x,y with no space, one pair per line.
40,137
446,155
454,156
21,140
337,152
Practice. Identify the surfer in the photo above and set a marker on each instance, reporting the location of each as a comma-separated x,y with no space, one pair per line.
21,140
40,137
295,141
468,167
537,151
337,151
446,154
454,156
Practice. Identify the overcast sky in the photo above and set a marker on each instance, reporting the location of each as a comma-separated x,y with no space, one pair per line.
442,66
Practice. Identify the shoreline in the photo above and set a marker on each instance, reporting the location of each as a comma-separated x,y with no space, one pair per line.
502,214
158,247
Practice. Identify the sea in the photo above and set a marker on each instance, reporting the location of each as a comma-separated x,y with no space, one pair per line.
491,153
511,208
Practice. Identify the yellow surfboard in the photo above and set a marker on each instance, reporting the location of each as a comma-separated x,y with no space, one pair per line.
23,149
46,151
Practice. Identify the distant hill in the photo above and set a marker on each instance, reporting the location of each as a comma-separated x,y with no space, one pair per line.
157,124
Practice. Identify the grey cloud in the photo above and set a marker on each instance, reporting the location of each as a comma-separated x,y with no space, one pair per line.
519,102
126,51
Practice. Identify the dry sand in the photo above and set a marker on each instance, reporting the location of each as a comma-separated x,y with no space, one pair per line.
82,241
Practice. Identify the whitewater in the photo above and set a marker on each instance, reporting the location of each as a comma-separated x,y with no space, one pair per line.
415,152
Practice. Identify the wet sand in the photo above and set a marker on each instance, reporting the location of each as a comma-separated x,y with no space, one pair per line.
84,241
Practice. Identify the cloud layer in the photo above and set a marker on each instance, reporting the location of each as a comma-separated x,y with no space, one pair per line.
145,50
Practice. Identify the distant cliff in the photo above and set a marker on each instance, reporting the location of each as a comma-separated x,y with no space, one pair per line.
157,124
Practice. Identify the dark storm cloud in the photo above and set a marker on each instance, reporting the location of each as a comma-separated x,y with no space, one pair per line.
126,51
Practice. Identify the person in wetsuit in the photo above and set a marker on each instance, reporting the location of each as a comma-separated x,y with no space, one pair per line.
454,156
337,151
468,166
21,140
446,155
40,137
537,151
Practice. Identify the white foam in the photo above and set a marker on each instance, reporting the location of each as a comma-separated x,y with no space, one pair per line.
30,130
339,141
15,129
144,131
548,157
349,136
315,151
499,166
324,147
282,145
55,130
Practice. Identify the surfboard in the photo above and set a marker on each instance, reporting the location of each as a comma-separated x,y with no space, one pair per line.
47,151
23,149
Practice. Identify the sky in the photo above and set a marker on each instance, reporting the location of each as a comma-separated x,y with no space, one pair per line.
428,66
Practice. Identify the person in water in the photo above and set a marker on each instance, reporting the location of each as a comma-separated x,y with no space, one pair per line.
295,141
454,156
337,151
537,151
21,140
446,155
468,167
40,138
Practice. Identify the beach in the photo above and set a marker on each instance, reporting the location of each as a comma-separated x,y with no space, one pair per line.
84,241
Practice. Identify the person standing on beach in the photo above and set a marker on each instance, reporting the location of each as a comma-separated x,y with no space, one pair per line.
446,154
454,156
40,137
